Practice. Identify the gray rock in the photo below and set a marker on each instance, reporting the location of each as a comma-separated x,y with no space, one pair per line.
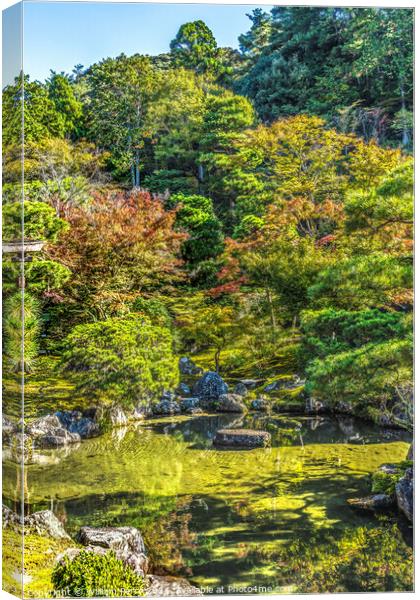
210,386
404,492
242,438
189,403
67,417
183,389
117,416
85,428
260,404
241,389
250,384
45,522
9,517
388,469
50,432
44,425
284,383
139,413
167,395
80,424
313,406
71,553
374,502
166,407
194,411
230,403
161,586
188,367
8,427
126,542
60,437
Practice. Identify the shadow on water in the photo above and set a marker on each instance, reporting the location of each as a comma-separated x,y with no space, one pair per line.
268,517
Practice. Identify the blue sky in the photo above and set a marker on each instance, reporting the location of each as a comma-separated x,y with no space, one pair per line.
60,35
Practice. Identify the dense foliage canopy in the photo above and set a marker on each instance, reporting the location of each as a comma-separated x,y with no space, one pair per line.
243,203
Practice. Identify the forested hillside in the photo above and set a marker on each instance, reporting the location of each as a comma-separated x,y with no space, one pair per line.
250,208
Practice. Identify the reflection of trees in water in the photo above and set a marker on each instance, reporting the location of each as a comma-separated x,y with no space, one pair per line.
361,559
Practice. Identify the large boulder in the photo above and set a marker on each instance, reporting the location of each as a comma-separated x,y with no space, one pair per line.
242,438
79,423
404,492
230,403
43,426
160,586
188,367
50,432
126,542
166,407
210,386
45,522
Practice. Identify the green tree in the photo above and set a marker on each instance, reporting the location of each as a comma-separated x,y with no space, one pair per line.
252,43
195,216
125,361
210,325
62,94
41,119
120,91
21,327
39,223
195,47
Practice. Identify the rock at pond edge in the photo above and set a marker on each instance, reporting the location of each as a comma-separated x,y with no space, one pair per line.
242,438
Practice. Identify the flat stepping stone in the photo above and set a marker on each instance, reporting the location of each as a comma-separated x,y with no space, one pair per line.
242,438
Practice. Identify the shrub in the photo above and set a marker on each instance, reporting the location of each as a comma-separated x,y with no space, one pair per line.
90,574
195,215
41,221
365,377
333,331
21,326
154,309
124,360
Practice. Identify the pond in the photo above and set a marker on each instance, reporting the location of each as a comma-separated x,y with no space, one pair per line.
234,521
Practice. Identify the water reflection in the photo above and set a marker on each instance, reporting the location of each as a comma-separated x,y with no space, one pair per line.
269,517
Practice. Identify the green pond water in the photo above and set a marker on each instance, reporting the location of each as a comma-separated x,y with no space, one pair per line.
263,520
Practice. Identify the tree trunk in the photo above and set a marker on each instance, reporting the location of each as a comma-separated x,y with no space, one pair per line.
217,360
271,308
405,137
137,170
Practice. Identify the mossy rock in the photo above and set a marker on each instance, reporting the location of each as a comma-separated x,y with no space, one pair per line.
385,479
289,400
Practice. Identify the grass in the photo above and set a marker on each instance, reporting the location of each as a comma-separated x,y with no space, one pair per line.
39,560
46,390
